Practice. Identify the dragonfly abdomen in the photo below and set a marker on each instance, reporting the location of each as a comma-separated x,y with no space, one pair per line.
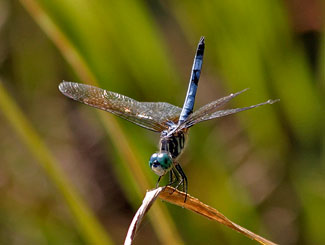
173,144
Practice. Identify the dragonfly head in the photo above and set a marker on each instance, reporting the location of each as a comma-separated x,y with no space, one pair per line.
160,163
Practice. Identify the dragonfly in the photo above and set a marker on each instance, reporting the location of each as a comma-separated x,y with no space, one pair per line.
172,122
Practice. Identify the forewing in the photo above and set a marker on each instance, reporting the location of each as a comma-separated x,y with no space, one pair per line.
150,115
223,113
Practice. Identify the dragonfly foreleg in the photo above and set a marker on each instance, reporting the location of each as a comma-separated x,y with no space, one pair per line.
172,180
183,179
157,185
173,172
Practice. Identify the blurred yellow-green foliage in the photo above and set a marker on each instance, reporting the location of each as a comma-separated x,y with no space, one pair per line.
72,175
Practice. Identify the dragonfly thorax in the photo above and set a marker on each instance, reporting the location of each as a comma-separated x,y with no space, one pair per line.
173,144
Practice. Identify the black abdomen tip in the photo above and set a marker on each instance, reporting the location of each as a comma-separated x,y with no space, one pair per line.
201,45
202,39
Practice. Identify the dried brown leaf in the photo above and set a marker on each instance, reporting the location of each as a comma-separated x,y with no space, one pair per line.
177,197
193,204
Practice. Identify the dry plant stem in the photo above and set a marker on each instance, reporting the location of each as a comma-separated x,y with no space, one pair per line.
195,205
148,200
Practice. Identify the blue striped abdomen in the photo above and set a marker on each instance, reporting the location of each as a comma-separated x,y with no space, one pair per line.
194,80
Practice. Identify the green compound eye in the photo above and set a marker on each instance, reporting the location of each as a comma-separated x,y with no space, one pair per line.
160,163
164,160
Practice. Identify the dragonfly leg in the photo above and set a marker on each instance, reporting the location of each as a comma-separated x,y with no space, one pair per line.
171,177
173,180
183,179
157,185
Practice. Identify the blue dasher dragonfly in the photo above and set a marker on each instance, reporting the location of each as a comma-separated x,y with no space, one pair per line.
172,122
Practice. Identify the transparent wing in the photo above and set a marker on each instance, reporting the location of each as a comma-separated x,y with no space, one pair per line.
223,113
209,108
150,115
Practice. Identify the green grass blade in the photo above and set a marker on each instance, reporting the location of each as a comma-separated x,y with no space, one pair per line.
90,229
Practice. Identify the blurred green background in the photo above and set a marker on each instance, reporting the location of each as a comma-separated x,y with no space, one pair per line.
72,175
